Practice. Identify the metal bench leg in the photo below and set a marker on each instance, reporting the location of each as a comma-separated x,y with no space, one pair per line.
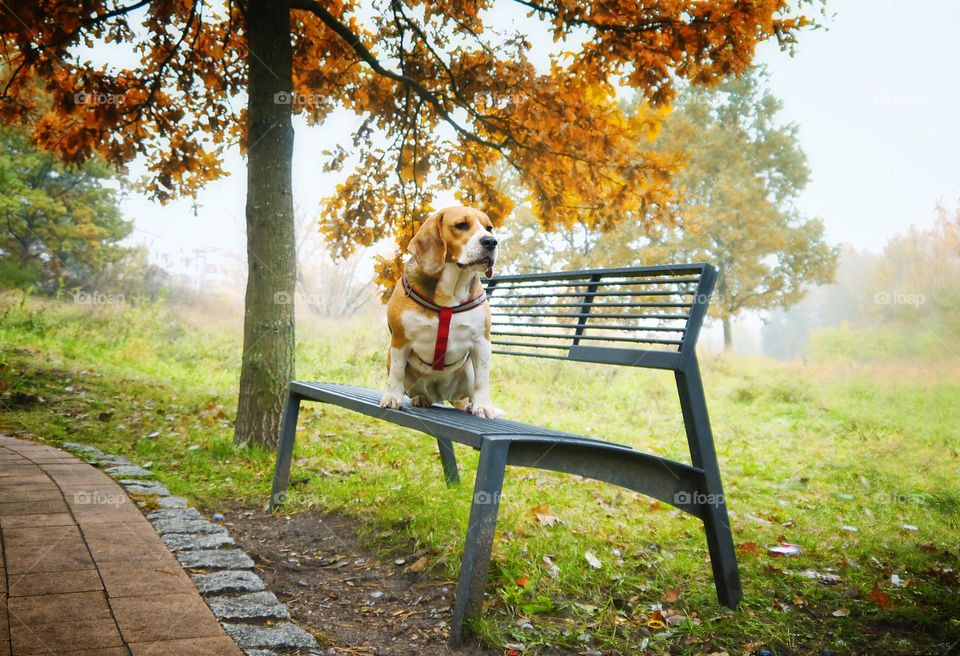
479,541
449,460
716,523
288,433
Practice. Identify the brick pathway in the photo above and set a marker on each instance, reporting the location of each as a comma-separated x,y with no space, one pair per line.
83,572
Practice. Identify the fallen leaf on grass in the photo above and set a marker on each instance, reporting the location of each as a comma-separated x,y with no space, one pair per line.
419,564
552,569
592,559
544,515
671,595
748,548
841,612
878,596
674,619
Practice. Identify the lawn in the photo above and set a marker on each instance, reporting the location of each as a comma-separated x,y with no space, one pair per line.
857,463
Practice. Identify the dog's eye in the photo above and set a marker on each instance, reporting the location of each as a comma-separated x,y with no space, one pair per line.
463,225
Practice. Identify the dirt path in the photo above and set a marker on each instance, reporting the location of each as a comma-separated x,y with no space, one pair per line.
363,605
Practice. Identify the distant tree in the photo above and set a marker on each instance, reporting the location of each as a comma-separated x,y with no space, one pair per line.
59,225
786,333
744,172
133,276
441,92
917,277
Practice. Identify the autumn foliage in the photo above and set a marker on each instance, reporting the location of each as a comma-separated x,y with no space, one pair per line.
444,94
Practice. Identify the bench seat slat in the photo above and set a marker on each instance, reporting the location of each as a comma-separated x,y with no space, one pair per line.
437,421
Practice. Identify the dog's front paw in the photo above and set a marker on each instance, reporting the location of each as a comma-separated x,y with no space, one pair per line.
483,410
391,400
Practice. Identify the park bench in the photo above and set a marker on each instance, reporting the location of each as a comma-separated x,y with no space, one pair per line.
641,317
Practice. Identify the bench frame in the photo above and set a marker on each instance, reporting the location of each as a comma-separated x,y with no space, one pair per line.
695,489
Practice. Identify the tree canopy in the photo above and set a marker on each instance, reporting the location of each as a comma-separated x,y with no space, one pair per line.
444,94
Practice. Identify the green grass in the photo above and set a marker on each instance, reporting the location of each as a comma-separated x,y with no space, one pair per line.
804,451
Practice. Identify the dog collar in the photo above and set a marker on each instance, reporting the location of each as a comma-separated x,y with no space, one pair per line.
446,313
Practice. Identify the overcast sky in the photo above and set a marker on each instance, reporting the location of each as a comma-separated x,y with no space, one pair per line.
876,96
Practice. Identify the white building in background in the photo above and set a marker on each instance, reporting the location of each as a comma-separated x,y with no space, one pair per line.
200,269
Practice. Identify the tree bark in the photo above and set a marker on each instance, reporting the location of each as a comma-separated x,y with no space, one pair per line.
727,335
268,326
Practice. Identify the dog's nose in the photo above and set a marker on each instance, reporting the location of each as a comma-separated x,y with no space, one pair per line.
488,242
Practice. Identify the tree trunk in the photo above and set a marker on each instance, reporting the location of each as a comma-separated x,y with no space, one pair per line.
268,326
727,335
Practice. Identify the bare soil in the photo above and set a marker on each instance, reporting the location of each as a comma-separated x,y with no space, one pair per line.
353,600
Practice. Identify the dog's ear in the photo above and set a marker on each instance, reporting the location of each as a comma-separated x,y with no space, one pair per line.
428,246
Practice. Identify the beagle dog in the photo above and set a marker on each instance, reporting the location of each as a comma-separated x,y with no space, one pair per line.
439,317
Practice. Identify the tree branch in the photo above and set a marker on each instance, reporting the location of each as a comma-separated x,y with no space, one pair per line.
652,26
364,53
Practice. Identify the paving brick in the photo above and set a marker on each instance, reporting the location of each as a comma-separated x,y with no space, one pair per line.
11,469
32,493
107,513
171,502
164,526
64,556
9,482
252,606
285,635
228,581
64,636
145,578
164,617
119,531
70,607
130,471
221,646
174,513
21,521
215,559
45,583
40,535
194,541
32,507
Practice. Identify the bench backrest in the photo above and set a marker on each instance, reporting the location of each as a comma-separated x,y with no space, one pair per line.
637,316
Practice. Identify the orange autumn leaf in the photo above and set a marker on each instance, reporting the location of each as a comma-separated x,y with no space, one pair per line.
879,597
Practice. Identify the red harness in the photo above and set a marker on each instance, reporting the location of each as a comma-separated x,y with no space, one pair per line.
446,313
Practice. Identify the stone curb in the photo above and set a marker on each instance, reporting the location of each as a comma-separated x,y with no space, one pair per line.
250,614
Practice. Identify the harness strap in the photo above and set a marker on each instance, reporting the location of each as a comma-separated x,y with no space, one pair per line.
446,314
